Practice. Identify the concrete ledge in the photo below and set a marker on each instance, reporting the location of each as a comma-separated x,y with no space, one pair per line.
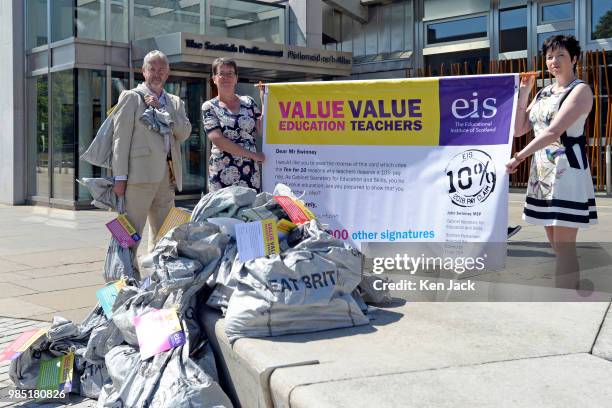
578,380
407,338
603,344
245,381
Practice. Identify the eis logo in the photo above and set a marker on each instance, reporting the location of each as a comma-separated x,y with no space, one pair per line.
474,108
471,178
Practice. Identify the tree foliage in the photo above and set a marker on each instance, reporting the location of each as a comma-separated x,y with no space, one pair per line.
603,29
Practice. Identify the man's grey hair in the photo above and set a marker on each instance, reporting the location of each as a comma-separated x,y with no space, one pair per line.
155,55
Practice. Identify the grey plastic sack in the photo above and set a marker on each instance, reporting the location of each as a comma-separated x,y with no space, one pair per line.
99,152
118,263
61,338
225,278
223,203
170,379
304,289
93,379
184,383
101,190
101,341
24,369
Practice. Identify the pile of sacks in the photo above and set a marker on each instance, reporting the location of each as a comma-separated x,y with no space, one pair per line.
312,285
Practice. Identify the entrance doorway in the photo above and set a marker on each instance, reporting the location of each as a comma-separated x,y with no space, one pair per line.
193,92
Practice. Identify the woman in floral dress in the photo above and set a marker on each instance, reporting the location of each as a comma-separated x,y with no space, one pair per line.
560,191
231,123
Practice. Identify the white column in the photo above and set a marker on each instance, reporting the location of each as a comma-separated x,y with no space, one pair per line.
306,23
12,135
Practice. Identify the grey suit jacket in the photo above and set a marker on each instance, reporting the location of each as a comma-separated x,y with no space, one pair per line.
140,153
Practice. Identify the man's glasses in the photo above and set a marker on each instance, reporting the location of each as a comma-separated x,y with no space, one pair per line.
226,74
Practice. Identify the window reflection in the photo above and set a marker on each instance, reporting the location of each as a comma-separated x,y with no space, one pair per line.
192,92
119,20
152,18
38,135
246,20
464,29
513,29
62,134
557,12
36,23
543,36
119,83
61,20
468,61
91,85
90,22
601,19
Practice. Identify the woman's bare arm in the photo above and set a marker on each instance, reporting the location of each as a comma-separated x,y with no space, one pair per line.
578,103
522,124
226,145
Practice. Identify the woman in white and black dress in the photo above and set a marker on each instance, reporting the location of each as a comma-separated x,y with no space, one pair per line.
560,193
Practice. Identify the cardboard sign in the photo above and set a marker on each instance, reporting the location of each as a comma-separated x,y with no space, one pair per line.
158,331
256,239
107,295
297,212
21,344
123,231
175,217
56,374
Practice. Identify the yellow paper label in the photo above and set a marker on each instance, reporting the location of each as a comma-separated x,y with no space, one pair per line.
304,209
175,217
270,236
284,226
126,224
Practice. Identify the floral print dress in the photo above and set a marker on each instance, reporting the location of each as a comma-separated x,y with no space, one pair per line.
225,169
560,189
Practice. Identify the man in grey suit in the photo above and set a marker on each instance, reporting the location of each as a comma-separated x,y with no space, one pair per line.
146,164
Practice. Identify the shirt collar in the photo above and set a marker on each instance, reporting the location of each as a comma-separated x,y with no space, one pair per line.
162,98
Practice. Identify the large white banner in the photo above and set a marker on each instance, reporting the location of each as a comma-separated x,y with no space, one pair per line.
411,160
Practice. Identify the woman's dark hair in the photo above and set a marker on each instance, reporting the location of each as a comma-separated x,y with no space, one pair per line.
568,42
224,61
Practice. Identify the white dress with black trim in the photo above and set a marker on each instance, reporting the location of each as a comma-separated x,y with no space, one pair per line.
560,189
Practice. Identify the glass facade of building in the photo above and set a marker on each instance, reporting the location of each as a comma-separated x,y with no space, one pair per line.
601,19
91,111
219,18
62,23
38,135
389,29
67,103
513,29
90,19
457,30
62,134
36,23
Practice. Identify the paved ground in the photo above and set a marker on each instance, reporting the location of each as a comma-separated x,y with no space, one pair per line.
51,264
9,331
